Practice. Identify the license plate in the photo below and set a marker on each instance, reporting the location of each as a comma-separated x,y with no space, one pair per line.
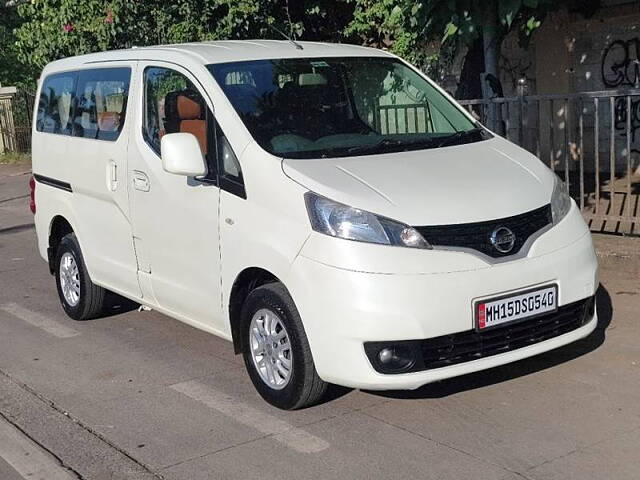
516,307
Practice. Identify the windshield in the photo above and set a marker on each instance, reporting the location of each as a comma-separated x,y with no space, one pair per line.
341,106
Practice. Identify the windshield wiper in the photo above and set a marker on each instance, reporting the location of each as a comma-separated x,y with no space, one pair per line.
386,144
379,145
457,136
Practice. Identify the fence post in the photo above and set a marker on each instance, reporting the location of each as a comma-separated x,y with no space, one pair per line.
494,109
521,88
7,127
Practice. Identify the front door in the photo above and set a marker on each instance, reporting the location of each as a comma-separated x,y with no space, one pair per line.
175,218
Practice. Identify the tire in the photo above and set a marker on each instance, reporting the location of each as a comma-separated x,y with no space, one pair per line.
87,299
304,387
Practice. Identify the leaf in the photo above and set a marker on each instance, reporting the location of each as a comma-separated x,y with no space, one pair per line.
532,24
507,11
449,31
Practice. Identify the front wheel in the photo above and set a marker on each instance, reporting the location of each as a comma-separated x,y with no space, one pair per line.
276,350
81,299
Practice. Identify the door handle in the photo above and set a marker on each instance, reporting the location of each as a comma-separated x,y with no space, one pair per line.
141,181
112,176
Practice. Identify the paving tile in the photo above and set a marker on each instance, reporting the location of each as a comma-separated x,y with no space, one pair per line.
522,421
162,427
616,458
360,448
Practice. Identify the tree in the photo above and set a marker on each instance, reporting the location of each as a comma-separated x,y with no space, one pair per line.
427,32
54,29
12,71
409,27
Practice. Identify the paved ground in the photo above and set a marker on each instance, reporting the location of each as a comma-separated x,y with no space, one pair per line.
138,395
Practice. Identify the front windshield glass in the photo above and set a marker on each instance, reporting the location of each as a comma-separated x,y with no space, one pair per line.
341,106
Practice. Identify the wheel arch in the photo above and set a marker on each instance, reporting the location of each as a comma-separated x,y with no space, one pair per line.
246,281
58,228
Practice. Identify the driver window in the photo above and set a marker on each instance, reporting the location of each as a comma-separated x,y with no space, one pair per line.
173,104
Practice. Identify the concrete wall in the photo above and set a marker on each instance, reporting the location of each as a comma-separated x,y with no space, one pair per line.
570,54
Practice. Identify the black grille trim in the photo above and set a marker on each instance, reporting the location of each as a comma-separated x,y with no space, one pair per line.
476,235
467,346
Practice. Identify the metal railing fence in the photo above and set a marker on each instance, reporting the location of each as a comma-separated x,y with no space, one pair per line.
589,139
15,121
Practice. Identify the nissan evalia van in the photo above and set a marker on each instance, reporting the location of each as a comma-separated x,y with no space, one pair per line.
327,208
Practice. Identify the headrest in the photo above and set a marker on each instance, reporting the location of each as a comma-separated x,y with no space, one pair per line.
307,79
188,109
108,121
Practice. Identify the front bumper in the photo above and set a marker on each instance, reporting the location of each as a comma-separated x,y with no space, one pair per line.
342,308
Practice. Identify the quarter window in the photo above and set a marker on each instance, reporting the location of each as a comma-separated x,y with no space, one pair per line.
228,165
101,103
55,106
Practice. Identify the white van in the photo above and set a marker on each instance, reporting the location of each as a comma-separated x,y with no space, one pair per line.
327,208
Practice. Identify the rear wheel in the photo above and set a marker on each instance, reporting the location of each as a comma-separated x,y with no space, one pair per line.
276,350
81,299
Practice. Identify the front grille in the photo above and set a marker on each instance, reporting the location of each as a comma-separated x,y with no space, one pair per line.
472,345
477,235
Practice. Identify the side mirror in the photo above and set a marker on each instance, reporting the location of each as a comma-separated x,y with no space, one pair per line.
181,155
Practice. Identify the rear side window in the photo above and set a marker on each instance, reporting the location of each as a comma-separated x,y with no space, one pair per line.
55,106
101,103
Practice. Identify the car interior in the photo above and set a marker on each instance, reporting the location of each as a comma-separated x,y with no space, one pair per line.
184,113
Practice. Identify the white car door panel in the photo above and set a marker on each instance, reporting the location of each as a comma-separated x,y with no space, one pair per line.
98,150
175,218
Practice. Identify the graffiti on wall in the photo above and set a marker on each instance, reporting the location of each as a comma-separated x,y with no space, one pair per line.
621,64
620,115
621,69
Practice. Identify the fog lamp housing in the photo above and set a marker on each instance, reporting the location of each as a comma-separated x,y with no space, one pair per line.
393,357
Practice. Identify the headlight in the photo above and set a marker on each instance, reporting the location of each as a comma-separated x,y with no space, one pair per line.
560,200
338,220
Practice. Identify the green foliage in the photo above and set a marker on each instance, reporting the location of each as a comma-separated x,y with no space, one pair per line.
406,25
398,25
39,31
12,71
54,29
59,28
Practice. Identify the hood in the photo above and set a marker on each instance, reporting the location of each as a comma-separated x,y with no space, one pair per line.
458,184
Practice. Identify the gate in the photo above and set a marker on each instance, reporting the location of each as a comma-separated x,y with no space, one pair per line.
589,139
16,110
